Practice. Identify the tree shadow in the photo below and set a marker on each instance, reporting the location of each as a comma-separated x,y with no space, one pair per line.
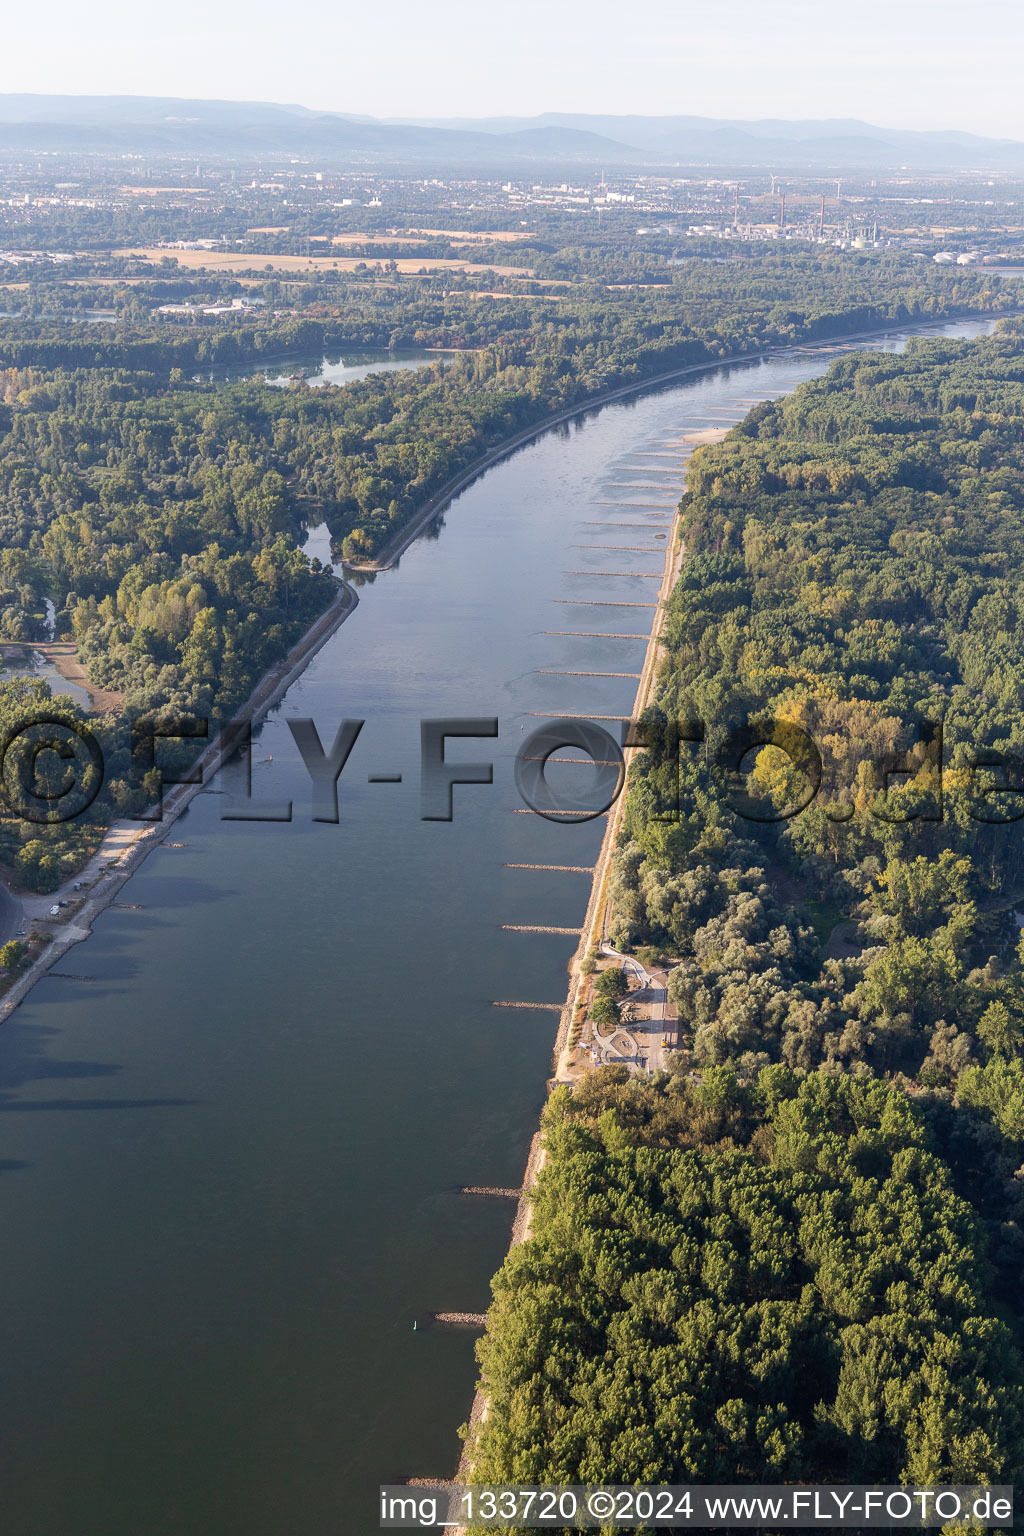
23,1058
166,891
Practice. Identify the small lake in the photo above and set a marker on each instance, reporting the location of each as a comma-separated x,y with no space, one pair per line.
326,368
34,669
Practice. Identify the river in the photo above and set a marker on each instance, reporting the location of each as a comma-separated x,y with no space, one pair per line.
229,1159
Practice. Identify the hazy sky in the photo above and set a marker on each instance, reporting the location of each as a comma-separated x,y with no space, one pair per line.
902,63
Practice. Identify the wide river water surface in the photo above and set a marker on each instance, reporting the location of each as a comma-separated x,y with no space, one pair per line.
230,1157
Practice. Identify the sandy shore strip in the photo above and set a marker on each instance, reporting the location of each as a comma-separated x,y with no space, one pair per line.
397,546
127,843
62,656
593,924
592,933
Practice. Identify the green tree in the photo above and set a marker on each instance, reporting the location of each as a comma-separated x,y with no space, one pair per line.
605,1012
10,954
1000,1031
612,983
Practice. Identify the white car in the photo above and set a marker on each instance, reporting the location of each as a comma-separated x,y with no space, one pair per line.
55,911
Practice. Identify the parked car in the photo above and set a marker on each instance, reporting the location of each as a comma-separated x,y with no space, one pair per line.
55,911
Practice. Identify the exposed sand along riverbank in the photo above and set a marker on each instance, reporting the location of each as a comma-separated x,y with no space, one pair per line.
127,843
591,934
397,546
594,922
62,656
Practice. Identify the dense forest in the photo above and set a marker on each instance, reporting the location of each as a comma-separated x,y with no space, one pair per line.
161,525
854,572
800,1255
141,499
164,515
726,1283
588,299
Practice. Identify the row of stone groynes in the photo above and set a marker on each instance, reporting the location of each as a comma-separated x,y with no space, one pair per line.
473,1319
563,869
547,1007
491,1191
539,928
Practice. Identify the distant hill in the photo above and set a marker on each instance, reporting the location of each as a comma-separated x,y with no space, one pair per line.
179,125
767,141
155,124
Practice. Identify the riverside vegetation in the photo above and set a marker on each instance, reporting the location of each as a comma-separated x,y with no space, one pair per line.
164,515
799,1254
805,1261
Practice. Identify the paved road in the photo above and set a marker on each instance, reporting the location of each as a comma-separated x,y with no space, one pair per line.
653,990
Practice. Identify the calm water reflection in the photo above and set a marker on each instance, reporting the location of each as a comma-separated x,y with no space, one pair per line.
228,1160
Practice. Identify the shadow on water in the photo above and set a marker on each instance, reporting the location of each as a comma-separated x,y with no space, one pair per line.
211,1312
23,1059
123,926
173,892
76,1104
101,988
23,1062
